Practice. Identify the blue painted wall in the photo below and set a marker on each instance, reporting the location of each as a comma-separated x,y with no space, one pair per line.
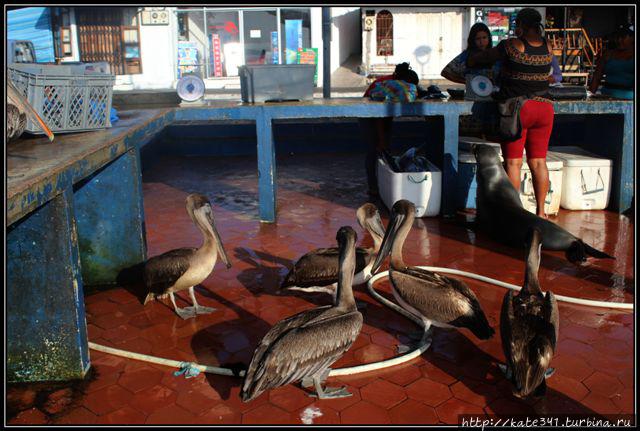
46,325
34,24
110,219
224,139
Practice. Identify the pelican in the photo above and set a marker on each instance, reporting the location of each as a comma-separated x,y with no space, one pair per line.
529,325
317,271
303,346
183,268
437,300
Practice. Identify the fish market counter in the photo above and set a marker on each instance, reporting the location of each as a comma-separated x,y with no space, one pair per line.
75,215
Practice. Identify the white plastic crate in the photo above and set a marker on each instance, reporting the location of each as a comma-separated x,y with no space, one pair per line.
69,98
586,179
554,196
422,188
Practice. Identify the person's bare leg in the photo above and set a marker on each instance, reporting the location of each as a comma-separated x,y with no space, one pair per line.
513,167
540,176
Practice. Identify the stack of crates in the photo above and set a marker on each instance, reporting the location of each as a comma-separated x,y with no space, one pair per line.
69,98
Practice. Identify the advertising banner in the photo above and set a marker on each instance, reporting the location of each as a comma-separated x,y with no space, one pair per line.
293,36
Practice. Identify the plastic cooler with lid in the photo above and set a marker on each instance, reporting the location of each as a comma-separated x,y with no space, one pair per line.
586,183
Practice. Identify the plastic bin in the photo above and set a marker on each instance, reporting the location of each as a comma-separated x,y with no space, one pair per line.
467,184
69,98
276,82
422,188
586,183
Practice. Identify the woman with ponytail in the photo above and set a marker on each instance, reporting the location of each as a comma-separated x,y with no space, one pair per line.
526,62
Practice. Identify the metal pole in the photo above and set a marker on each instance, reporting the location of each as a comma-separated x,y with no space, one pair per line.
326,52
564,38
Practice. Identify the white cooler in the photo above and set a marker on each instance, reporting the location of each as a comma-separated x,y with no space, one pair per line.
422,188
554,196
586,183
466,142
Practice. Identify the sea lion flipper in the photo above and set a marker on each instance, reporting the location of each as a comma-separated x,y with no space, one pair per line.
595,252
579,250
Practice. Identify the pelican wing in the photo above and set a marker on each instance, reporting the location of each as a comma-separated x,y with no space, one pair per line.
162,271
320,267
301,347
443,299
551,315
430,294
506,323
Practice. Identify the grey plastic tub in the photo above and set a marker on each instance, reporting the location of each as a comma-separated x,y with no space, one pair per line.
276,82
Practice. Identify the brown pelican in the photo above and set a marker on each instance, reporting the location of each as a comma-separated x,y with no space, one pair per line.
183,268
303,346
436,299
317,271
529,328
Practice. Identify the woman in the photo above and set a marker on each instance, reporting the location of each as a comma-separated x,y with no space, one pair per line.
479,40
377,131
617,65
526,61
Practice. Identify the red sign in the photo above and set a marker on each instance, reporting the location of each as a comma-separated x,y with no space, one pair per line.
217,56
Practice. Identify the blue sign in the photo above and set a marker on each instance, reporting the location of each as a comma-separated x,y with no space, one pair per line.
274,47
293,36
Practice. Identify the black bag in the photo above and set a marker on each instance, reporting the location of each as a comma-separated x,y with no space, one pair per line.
509,127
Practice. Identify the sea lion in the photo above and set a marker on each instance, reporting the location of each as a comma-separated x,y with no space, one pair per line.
501,214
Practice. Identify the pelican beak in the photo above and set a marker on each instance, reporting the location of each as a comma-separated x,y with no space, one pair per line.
375,223
221,250
388,240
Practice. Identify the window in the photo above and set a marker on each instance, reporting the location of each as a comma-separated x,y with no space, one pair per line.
131,41
223,36
110,34
65,33
384,33
295,28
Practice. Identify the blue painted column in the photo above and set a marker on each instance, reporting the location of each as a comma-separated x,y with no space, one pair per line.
110,217
46,326
450,164
266,167
627,181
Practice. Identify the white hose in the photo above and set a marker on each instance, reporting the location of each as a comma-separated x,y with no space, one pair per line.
334,372
365,367
587,302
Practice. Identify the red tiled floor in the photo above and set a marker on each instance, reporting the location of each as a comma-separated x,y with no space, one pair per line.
316,195
32,416
124,415
77,416
429,392
365,412
106,400
383,393
413,412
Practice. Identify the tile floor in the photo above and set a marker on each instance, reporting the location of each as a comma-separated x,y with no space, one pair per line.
316,195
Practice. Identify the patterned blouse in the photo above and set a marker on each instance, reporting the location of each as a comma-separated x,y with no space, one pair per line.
524,73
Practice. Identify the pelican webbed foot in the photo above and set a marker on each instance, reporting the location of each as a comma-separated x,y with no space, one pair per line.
505,370
185,313
425,340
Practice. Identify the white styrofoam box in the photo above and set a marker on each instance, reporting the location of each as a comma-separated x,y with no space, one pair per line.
554,196
586,183
466,142
424,189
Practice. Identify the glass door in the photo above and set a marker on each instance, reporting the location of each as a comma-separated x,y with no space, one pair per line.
260,37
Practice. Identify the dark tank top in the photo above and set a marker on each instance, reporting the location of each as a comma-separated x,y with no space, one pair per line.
524,73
